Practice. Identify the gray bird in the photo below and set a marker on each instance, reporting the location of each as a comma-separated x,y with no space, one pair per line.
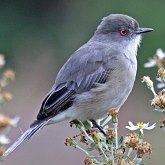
97,77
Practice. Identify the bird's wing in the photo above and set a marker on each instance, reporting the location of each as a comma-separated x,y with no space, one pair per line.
84,69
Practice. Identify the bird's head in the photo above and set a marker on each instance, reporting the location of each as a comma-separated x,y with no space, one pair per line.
120,28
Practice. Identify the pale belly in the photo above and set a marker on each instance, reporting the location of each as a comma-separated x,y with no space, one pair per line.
95,103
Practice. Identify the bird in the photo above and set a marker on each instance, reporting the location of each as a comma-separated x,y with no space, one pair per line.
97,77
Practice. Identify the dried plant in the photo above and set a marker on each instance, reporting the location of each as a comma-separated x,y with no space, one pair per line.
158,101
5,121
107,149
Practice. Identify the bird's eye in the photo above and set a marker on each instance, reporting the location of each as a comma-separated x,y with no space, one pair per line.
123,32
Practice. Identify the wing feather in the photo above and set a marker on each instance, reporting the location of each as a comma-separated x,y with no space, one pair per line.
76,76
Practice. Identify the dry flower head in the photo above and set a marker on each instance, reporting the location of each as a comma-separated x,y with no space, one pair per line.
69,141
9,75
5,121
82,138
159,100
95,133
7,96
113,112
132,140
162,123
89,161
143,148
161,73
74,122
110,133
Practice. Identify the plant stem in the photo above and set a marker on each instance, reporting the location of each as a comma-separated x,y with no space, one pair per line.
106,120
101,149
137,160
116,134
82,150
112,155
129,152
86,134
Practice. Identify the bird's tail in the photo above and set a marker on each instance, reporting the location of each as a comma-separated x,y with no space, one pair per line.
26,135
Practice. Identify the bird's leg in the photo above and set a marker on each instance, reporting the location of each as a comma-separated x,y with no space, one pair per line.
106,120
98,126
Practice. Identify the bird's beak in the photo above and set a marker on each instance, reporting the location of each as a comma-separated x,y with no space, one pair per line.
143,30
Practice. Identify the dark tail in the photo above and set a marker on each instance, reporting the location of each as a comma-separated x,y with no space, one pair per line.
27,135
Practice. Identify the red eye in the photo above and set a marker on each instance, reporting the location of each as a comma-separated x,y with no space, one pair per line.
123,32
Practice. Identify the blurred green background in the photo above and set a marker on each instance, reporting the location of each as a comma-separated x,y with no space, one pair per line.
38,36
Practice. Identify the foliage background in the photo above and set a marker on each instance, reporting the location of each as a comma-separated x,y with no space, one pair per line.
37,37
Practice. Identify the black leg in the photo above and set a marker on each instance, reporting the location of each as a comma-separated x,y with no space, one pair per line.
98,126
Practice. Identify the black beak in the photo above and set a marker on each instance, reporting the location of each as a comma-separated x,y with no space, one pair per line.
143,30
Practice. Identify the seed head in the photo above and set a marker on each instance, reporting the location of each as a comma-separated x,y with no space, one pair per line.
161,73
114,114
132,140
89,161
143,148
9,75
95,135
159,100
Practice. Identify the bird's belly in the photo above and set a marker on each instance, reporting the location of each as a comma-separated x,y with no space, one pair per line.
95,103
